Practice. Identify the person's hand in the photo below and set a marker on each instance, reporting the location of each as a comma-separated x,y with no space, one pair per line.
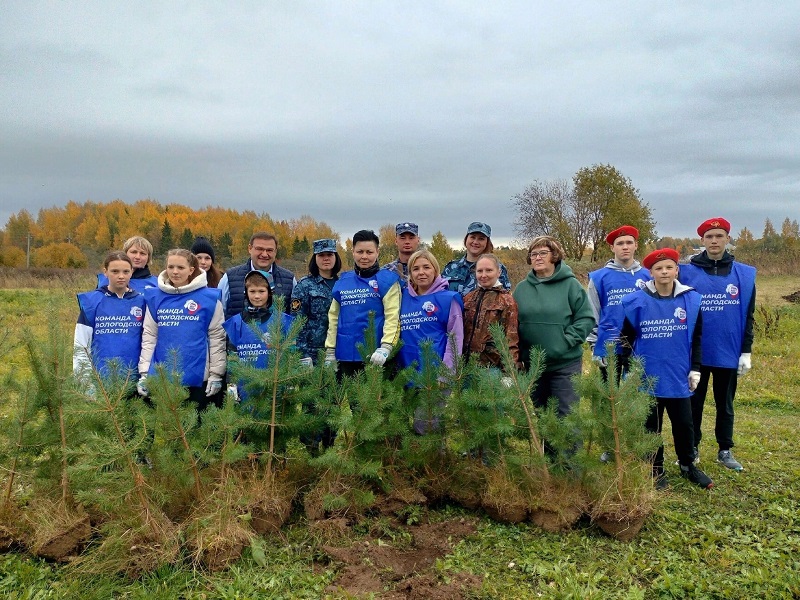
694,379
330,357
744,363
600,360
307,362
507,382
380,356
213,387
233,391
141,386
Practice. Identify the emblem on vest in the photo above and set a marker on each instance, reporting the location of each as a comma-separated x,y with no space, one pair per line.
373,283
191,306
732,290
680,314
136,313
429,307
641,284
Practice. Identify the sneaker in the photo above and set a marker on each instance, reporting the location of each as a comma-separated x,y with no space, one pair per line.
695,457
725,458
696,476
605,457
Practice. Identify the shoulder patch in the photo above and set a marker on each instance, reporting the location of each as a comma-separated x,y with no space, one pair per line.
295,305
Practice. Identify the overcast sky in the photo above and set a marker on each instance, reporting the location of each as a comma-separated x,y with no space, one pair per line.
363,113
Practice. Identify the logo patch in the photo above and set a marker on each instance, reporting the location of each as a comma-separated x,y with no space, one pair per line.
295,304
732,290
191,306
680,314
136,313
641,284
429,307
373,283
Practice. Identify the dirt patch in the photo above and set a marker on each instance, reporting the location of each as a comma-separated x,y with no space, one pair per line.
63,544
390,572
793,297
622,528
7,538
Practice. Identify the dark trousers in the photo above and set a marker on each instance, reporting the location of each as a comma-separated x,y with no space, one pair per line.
558,383
623,366
680,415
724,388
198,396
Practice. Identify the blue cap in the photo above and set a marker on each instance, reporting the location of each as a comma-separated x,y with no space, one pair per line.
406,228
478,227
324,245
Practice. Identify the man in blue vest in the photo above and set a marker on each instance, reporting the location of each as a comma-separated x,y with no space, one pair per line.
263,249
407,242
728,289
620,276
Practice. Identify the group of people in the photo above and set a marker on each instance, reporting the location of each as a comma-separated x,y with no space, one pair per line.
685,330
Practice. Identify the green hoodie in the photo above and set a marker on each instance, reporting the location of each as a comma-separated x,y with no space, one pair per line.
555,315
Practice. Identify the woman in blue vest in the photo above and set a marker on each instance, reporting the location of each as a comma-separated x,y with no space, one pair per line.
185,315
252,348
140,251
364,290
109,327
663,327
429,311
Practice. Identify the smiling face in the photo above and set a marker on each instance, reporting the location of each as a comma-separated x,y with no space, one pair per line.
119,276
624,249
421,275
715,241
258,293
476,245
365,254
486,273
204,260
542,261
138,256
263,253
179,271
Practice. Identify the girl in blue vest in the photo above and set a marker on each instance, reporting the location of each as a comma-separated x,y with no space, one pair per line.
139,250
364,290
109,327
251,347
185,315
429,311
663,327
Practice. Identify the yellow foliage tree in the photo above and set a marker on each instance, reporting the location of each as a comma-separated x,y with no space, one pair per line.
61,255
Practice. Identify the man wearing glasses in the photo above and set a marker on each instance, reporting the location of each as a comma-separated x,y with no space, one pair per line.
263,249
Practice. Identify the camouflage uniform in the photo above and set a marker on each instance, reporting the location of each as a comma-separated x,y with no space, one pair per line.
400,269
461,275
311,298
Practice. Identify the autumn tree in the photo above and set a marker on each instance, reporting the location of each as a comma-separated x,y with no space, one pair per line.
745,238
61,255
187,239
611,200
388,248
552,208
167,243
441,249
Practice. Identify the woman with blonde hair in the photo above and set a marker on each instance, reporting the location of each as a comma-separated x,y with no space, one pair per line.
140,251
184,316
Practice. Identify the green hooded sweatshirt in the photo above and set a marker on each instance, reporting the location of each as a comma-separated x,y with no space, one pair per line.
555,315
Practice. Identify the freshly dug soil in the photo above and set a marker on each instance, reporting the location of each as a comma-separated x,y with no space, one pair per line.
64,544
269,517
221,554
793,297
7,538
555,521
623,528
509,513
371,568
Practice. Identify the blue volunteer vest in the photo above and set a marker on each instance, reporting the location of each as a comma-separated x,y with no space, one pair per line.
116,328
183,321
140,285
357,297
611,287
424,318
250,347
664,329
724,305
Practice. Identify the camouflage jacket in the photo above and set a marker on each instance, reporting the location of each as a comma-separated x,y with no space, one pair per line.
483,307
461,275
311,298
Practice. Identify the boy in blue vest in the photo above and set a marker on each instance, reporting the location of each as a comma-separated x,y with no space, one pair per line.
728,289
663,327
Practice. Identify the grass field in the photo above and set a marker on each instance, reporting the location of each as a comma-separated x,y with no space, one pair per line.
740,540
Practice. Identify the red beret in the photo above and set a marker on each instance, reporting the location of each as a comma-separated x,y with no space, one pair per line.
715,223
624,230
659,255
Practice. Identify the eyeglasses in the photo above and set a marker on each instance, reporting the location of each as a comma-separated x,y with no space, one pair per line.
540,254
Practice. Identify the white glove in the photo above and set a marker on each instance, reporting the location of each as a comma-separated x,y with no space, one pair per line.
213,387
234,392
601,360
379,356
141,386
330,357
744,363
307,362
507,382
694,379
